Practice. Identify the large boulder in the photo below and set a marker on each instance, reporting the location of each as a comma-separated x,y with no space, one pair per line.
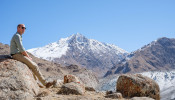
70,78
137,86
16,81
72,85
72,88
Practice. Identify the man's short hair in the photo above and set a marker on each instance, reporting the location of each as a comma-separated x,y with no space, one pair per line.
19,25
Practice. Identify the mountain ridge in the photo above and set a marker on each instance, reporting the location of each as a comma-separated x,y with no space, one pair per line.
64,42
157,56
79,50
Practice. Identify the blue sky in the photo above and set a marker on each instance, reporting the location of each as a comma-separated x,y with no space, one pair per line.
129,24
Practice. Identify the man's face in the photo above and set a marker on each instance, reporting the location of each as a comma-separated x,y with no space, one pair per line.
21,29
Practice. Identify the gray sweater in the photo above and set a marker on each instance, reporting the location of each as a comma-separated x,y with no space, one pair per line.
16,44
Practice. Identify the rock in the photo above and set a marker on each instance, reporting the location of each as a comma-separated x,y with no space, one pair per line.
88,78
72,88
58,83
38,98
44,93
109,92
114,95
16,81
70,78
89,88
137,86
141,98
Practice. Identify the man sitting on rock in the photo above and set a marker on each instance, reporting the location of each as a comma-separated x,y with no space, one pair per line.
18,52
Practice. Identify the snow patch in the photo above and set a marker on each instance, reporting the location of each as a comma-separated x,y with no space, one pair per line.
51,51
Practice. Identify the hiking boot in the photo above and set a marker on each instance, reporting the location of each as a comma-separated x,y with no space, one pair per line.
49,84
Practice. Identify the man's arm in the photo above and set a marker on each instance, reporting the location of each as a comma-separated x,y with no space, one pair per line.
26,54
18,41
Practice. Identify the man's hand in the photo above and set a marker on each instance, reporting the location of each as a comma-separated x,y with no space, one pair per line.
26,54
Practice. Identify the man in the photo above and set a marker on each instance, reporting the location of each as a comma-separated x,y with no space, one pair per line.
18,52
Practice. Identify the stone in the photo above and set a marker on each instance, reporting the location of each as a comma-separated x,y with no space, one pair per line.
141,98
16,81
72,88
44,93
137,86
114,95
109,92
89,88
70,78
58,83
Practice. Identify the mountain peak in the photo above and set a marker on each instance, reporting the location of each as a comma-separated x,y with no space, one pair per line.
77,35
77,38
165,41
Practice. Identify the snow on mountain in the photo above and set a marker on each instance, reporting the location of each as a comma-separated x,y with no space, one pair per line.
165,80
99,47
59,48
50,51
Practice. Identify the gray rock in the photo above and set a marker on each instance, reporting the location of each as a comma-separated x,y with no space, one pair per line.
141,98
72,88
89,88
16,81
114,96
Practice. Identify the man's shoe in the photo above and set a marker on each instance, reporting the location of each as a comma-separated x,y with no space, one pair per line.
49,84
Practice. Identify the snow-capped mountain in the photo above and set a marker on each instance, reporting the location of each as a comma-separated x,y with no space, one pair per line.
165,80
77,49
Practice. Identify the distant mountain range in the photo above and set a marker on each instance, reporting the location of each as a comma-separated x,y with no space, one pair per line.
79,50
159,55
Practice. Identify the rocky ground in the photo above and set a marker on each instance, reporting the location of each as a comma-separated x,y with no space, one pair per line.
52,94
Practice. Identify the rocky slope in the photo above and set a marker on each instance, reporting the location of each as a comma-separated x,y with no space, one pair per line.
77,49
156,56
